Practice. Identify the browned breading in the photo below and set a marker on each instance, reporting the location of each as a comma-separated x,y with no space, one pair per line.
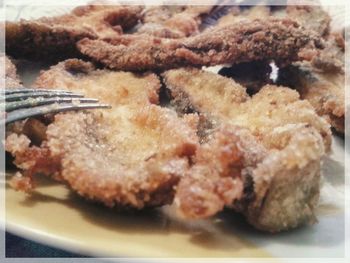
325,91
217,177
173,21
11,79
319,77
331,58
312,17
222,99
279,40
238,14
287,182
293,134
129,156
56,37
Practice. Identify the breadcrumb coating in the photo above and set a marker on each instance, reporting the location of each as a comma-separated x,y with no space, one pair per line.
222,99
131,155
278,40
312,17
325,91
55,38
11,79
129,161
282,186
237,14
287,182
173,21
321,81
217,177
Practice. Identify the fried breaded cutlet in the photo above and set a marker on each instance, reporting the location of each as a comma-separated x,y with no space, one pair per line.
320,77
287,140
254,75
219,173
224,100
312,17
278,40
237,14
11,79
173,21
56,37
321,81
129,156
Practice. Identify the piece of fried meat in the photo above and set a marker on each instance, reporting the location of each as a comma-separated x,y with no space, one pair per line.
312,17
11,79
55,38
278,40
321,81
173,21
236,14
131,155
218,176
287,137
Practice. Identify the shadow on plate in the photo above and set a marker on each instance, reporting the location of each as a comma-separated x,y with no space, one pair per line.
227,231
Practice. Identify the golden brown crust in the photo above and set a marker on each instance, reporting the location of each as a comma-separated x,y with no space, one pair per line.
320,78
287,182
242,42
112,87
55,38
173,21
31,160
131,155
222,99
324,90
11,79
217,177
281,188
312,17
238,14
135,164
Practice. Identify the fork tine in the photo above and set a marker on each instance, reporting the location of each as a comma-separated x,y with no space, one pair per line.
24,90
53,108
16,105
35,94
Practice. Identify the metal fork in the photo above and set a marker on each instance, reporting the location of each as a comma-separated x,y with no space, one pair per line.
23,103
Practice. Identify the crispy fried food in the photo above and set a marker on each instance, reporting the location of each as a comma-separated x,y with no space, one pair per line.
129,156
331,58
321,81
11,79
319,75
173,21
279,40
325,91
56,37
222,99
312,17
217,177
237,14
287,182
252,75
294,136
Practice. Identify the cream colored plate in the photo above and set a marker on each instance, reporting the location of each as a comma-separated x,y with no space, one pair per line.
55,216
